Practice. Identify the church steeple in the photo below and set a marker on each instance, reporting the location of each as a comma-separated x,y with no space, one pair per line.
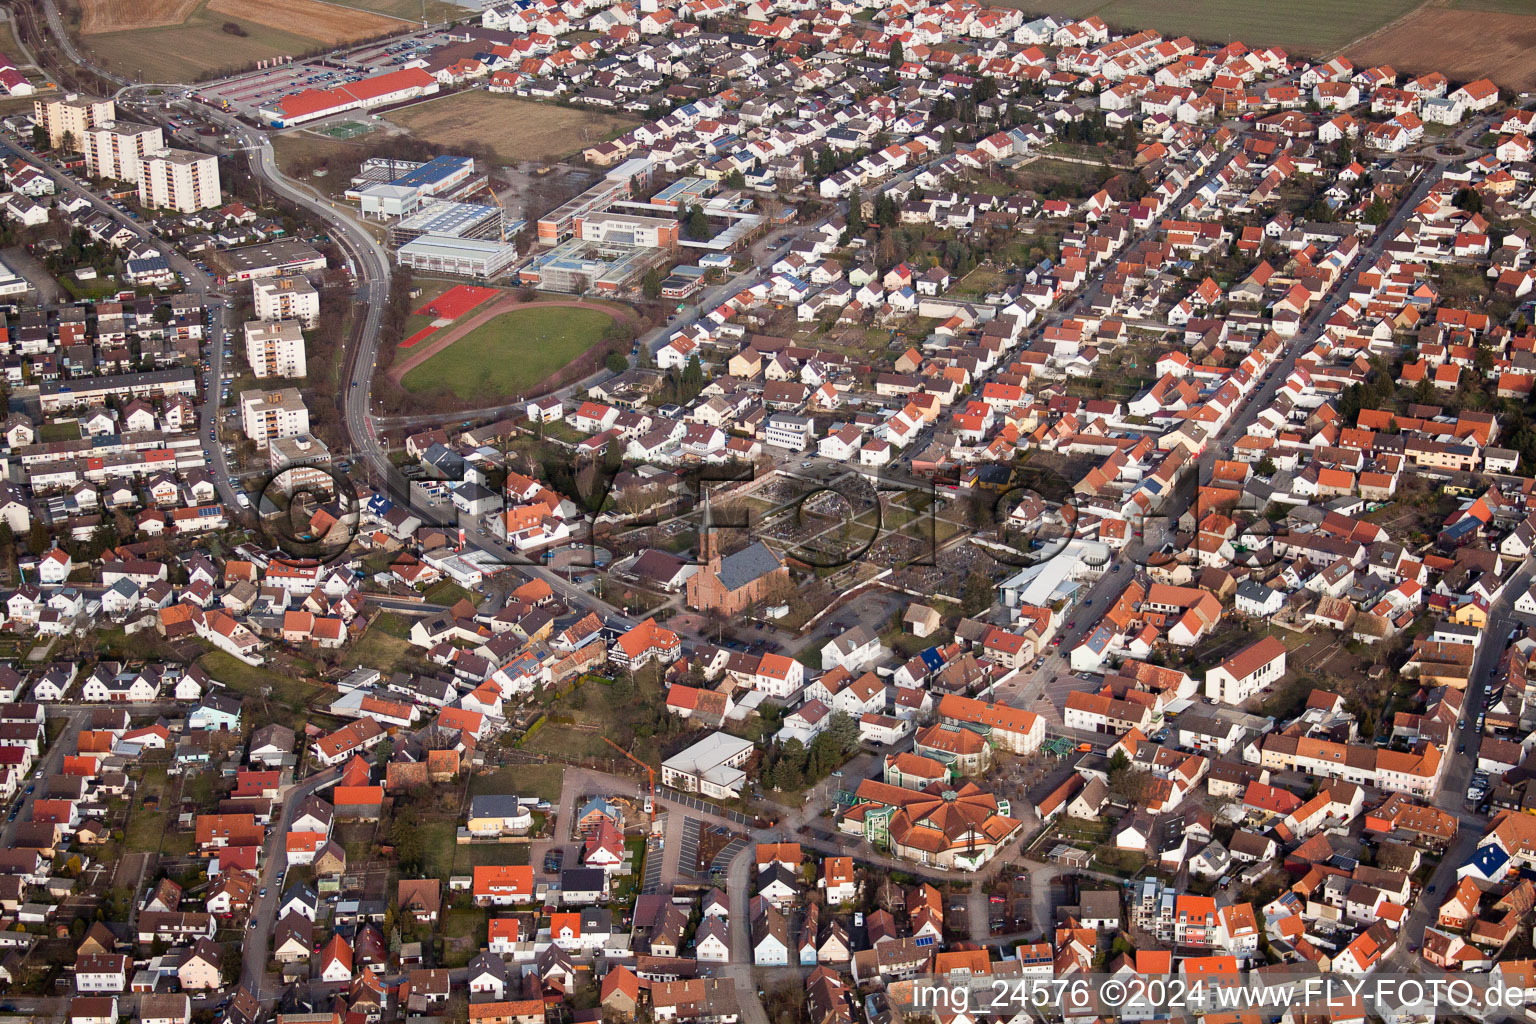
709,545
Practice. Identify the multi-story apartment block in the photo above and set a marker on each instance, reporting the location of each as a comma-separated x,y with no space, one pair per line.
265,415
300,463
179,179
114,149
286,298
71,116
275,348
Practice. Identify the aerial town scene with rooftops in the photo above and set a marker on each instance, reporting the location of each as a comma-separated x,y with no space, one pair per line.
765,512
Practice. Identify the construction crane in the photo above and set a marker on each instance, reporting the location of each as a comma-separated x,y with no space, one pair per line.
500,206
650,803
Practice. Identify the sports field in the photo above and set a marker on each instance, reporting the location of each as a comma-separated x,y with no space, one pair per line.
509,354
515,129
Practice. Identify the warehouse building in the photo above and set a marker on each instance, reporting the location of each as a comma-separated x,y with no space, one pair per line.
269,259
450,220
465,257
404,195
376,91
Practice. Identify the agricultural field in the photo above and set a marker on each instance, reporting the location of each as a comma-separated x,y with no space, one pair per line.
1493,6
1495,42
408,10
513,129
98,16
196,47
323,22
1302,26
183,40
479,366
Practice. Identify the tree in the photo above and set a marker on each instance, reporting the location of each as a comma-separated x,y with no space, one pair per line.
692,380
855,212
1265,466
230,962
39,137
735,179
67,142
898,56
1377,213
1346,152
651,285
698,223
37,538
616,362
843,730
978,593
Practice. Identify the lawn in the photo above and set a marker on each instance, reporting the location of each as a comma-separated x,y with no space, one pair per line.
564,741
301,153
472,855
194,49
1314,26
510,354
447,592
67,431
288,693
514,129
379,647
540,780
470,922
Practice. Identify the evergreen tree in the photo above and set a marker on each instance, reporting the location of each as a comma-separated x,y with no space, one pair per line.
693,378
37,538
698,223
855,212
897,57
651,285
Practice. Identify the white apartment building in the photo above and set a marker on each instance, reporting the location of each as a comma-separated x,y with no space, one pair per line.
71,115
268,414
114,149
788,431
286,298
180,180
275,348
300,463
1247,672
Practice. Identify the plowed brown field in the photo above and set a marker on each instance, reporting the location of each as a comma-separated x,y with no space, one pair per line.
98,16
326,23
1461,44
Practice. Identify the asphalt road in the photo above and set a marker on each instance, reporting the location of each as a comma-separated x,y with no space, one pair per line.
256,951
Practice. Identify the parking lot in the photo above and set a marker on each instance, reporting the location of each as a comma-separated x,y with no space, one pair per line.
247,93
694,803
652,881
